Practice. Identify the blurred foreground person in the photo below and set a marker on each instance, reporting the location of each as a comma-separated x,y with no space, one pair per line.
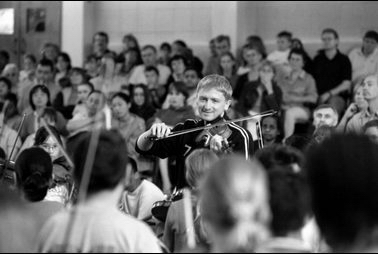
234,206
343,177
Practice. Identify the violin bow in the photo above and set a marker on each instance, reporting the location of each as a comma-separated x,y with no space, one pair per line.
179,133
87,171
189,223
14,145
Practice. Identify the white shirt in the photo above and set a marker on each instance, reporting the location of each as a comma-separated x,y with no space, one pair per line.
139,202
97,228
363,66
279,57
138,77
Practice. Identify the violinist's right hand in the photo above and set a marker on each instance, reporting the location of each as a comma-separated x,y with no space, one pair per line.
159,130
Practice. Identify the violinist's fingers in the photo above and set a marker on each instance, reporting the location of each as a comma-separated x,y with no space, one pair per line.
167,131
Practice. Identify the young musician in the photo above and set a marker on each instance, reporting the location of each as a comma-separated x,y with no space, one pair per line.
214,97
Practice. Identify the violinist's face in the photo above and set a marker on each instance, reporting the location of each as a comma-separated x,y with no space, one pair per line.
211,104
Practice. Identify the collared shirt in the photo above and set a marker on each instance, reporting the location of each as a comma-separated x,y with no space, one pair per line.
362,65
359,120
297,86
330,73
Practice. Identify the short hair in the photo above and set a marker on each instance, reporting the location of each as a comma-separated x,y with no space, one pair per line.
370,124
300,52
331,31
7,81
180,87
176,58
267,63
286,34
34,173
149,47
166,45
95,91
234,196
31,57
88,84
197,164
371,35
181,43
152,68
222,37
51,113
122,96
47,63
102,34
343,178
326,106
34,90
255,47
42,135
218,82
289,200
191,68
5,54
109,163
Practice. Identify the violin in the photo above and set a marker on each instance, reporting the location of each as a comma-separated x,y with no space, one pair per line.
205,136
160,208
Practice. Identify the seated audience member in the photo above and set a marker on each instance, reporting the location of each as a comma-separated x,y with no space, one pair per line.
85,122
165,51
63,67
252,41
60,189
299,92
296,43
178,64
29,67
175,231
44,76
139,195
359,104
280,57
108,81
325,115
100,45
212,60
83,92
129,42
222,45
12,73
179,47
300,142
128,124
289,201
342,181
332,72
370,92
364,59
271,130
141,102
177,111
65,100
91,67
5,89
228,67
371,130
99,209
50,51
234,206
149,57
50,116
12,117
39,99
34,174
4,59
132,59
191,79
158,92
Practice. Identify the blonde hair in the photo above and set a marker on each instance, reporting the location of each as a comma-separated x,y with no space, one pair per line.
234,203
197,164
217,82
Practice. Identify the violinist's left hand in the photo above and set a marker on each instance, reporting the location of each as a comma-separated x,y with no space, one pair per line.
217,143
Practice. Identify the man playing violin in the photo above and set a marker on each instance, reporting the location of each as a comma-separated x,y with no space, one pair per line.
214,97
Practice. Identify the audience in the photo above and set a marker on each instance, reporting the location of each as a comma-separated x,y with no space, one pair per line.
371,130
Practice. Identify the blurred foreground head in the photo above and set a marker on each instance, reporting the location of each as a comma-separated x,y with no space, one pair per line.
343,177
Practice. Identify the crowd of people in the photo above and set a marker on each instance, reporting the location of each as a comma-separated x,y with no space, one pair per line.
137,151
